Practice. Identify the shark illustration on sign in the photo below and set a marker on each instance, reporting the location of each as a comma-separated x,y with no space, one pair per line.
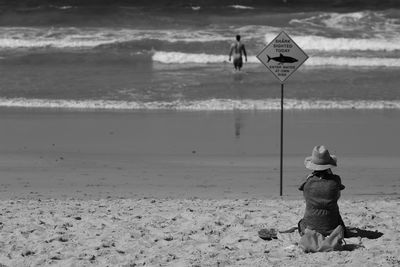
282,59
282,56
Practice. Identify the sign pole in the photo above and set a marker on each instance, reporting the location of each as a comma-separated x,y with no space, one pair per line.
281,176
282,56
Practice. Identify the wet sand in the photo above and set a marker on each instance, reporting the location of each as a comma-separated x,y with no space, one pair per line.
191,154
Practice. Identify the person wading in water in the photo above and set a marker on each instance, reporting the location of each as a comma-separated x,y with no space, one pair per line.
238,50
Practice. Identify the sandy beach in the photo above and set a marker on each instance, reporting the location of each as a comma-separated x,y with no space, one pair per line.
185,232
89,189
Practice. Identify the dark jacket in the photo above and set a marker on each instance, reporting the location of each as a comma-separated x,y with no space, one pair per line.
321,192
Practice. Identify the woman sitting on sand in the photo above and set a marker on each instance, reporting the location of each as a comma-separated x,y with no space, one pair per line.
321,191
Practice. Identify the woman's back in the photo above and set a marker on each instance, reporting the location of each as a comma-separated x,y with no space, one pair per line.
321,192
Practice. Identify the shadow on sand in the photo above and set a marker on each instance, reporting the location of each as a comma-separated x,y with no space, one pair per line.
357,232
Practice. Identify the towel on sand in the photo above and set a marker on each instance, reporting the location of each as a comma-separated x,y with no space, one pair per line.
313,241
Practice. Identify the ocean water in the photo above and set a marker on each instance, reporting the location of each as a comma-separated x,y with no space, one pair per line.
173,55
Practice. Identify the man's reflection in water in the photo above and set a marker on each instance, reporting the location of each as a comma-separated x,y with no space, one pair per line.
238,123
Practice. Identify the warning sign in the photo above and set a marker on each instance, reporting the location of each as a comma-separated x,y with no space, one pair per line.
282,56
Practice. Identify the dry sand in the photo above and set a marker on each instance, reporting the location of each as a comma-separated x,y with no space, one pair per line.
185,232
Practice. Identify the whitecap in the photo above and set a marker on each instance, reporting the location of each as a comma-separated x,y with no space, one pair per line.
241,7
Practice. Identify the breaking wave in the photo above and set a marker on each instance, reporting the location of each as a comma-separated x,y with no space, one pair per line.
70,37
319,43
328,44
365,21
241,7
203,105
219,38
182,58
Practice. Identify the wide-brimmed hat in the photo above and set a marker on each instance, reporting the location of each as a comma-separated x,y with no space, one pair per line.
320,159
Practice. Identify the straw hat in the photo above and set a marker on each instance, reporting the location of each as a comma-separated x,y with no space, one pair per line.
320,159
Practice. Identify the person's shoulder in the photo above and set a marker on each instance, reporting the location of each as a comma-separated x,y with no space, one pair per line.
305,180
335,177
338,180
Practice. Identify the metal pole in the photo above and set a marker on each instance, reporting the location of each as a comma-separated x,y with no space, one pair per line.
281,140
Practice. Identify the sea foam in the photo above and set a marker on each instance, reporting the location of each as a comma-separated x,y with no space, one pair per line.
241,7
328,44
317,61
200,105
